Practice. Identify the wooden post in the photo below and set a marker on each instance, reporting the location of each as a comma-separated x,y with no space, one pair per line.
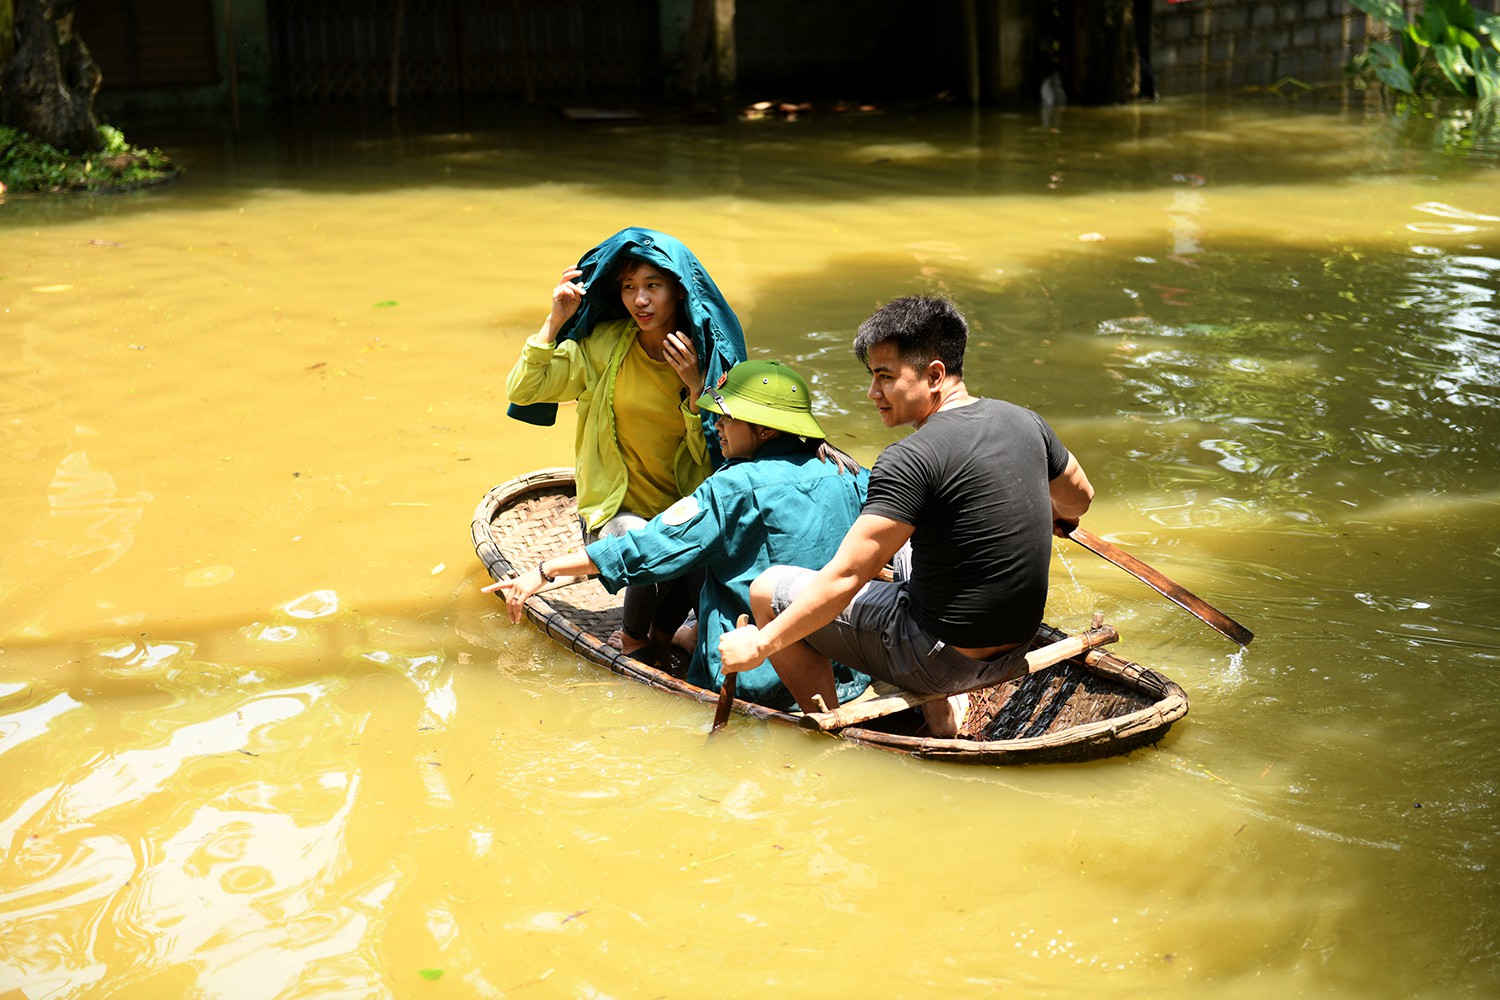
398,31
692,63
231,69
724,57
7,32
1015,39
1104,65
520,29
971,51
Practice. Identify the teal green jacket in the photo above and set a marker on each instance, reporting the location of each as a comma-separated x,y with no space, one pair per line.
783,507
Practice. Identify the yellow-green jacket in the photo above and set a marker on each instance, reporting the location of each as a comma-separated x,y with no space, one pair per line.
585,370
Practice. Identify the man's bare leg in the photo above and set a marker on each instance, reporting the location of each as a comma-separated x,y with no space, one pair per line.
803,670
806,672
945,717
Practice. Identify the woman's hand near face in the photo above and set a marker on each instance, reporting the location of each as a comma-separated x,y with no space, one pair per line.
566,298
683,358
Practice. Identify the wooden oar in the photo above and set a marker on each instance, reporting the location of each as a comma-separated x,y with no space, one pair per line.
1159,582
726,691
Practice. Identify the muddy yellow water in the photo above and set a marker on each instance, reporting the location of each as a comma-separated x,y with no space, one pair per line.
260,735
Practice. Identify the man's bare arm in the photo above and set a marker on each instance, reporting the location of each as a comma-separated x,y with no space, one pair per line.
869,545
1071,493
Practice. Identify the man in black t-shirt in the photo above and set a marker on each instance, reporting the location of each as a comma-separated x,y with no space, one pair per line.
972,497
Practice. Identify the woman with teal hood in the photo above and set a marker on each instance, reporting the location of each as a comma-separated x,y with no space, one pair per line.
635,330
783,494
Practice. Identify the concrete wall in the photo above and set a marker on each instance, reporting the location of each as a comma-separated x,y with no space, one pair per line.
1208,45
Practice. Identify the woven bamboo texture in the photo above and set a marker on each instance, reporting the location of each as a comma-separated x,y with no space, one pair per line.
1095,705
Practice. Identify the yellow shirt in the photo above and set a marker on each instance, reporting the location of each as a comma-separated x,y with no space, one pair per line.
585,370
649,430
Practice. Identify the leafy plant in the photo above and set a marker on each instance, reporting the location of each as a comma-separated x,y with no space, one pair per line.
1449,49
28,164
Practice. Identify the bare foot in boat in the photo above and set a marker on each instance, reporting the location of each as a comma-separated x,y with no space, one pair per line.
655,651
945,717
626,643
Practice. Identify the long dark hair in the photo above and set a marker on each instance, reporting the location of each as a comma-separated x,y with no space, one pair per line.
821,448
828,453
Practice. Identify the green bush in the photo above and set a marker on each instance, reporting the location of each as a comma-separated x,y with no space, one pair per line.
27,164
1448,50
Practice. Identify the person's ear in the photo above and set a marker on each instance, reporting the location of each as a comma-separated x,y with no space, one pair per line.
936,370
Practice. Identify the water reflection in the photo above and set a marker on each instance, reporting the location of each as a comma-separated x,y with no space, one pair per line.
1295,397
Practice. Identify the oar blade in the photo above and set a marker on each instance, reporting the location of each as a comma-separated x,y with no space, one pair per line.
725,703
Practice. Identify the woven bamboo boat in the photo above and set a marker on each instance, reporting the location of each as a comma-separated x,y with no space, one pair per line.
1091,705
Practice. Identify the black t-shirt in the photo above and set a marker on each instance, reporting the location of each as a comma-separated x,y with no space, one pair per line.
972,482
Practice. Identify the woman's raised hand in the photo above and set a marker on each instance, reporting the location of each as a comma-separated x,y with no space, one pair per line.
683,358
566,298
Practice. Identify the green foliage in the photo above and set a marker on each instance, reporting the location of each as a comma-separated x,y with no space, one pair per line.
27,164
1449,49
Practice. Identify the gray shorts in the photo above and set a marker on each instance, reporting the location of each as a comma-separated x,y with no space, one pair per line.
876,634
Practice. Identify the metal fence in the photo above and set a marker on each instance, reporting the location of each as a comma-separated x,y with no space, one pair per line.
393,51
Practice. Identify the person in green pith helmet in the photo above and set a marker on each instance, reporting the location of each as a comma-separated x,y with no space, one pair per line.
784,496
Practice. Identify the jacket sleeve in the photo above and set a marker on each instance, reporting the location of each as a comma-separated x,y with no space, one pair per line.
547,373
688,534
693,462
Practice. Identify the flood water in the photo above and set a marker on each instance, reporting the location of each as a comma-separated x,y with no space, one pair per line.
261,736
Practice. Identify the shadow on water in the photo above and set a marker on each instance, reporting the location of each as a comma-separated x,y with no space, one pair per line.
1244,140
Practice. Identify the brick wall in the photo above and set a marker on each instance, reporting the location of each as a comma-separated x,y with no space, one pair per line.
1208,45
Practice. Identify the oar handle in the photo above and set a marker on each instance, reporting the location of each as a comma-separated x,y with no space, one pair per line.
726,691
1159,582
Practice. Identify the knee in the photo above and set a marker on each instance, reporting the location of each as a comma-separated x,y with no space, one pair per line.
762,593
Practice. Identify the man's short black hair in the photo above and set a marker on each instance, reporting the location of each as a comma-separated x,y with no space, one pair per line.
924,329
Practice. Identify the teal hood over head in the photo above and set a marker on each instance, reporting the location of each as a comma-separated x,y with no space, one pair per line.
715,329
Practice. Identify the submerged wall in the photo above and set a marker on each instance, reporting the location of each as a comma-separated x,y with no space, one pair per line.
1210,45
1205,45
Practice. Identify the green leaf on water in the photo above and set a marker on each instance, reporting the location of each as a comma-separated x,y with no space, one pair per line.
433,974
386,304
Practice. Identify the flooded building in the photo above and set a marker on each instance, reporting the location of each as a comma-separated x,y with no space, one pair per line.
258,52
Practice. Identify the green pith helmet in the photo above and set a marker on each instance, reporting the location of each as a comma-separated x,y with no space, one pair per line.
766,393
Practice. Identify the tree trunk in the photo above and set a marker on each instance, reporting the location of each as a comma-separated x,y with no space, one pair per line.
48,86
